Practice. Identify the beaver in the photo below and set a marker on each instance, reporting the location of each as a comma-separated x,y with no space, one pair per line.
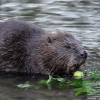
27,48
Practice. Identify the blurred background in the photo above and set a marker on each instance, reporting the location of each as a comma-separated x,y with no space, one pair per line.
79,17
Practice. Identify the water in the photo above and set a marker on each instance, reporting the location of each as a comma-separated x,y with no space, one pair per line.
79,17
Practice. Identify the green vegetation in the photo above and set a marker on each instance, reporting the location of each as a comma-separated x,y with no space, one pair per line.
27,85
78,75
87,84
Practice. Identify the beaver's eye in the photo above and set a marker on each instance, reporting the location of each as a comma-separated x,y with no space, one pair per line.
67,46
49,40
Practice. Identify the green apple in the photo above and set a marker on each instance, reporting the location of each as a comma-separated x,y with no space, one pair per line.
78,75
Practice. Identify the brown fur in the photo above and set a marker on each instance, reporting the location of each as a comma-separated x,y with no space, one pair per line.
27,48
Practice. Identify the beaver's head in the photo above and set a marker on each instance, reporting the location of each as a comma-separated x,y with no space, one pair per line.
62,53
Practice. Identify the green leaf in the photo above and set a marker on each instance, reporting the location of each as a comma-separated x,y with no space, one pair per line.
82,90
61,85
36,87
94,74
25,85
42,81
49,86
49,80
87,83
61,79
77,83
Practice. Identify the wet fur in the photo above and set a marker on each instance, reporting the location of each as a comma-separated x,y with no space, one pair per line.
26,48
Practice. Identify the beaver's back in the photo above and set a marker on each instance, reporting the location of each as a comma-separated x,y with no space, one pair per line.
18,40
19,27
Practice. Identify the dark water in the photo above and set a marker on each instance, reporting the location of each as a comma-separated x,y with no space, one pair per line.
79,17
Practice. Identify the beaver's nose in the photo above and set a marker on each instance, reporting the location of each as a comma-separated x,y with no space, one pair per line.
84,54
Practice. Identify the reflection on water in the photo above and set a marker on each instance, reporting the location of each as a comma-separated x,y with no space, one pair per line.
79,17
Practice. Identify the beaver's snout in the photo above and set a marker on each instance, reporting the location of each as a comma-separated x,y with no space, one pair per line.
84,54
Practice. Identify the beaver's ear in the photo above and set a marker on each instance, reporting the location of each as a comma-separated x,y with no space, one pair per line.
49,40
